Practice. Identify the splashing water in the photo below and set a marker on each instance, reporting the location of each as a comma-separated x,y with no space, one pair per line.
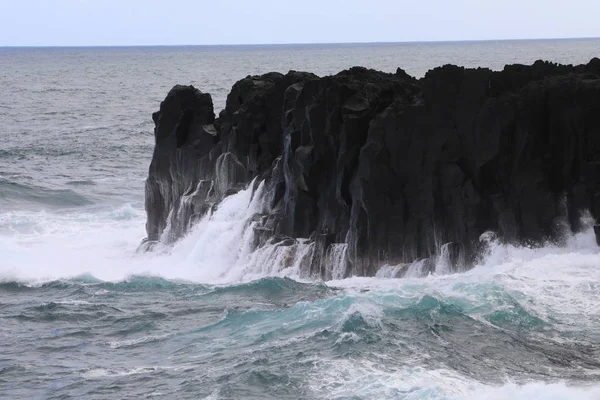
411,338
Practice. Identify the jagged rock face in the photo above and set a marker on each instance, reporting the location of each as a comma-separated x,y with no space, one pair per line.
398,169
474,156
180,171
198,160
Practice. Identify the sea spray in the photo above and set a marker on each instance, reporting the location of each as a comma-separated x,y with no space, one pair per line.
145,317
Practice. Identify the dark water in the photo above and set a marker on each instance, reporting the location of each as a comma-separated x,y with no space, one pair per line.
83,316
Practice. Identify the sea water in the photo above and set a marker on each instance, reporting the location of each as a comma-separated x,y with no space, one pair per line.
82,315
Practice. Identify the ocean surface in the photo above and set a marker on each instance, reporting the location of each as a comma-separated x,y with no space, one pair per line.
82,315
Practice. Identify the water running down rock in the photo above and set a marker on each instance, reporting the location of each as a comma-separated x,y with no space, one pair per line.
377,169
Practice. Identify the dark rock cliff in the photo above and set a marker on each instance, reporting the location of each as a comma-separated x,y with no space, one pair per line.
399,169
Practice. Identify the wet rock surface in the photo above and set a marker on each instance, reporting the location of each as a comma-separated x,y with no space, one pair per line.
398,169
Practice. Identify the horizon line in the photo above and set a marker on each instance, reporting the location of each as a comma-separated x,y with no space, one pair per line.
306,43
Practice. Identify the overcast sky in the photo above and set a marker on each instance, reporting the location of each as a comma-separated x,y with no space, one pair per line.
164,22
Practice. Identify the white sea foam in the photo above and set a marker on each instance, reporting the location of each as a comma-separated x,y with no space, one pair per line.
340,379
369,312
40,246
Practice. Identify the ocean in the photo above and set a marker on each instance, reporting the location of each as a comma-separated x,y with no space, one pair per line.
85,316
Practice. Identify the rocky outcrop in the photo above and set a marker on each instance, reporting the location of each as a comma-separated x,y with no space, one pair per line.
396,168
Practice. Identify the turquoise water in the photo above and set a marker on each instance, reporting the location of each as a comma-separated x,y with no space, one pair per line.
454,337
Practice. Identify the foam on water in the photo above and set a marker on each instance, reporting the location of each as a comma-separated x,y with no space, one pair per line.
364,379
512,287
40,246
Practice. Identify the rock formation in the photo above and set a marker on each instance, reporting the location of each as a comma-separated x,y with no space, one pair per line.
399,169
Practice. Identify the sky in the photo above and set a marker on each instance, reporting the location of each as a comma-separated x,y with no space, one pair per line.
197,22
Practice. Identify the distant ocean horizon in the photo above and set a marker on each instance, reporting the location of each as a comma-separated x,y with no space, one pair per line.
466,41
